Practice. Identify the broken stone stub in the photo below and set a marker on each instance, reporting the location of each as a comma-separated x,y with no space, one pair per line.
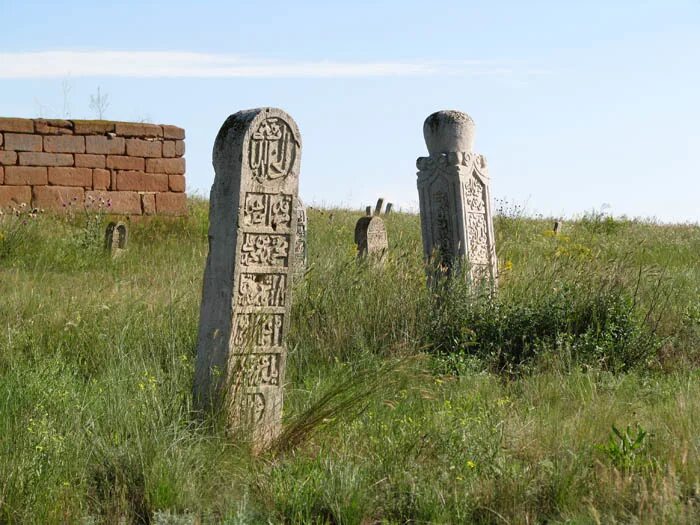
116,238
371,238
246,296
455,199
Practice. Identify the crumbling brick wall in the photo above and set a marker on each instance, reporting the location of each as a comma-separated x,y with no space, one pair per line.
133,168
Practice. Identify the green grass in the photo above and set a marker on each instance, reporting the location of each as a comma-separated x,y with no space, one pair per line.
401,406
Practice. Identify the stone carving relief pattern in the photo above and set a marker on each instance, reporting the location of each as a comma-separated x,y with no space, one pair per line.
273,150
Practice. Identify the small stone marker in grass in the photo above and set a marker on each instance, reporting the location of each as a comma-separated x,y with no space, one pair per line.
371,238
116,238
455,199
246,297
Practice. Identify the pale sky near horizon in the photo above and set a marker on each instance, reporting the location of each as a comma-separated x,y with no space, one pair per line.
578,105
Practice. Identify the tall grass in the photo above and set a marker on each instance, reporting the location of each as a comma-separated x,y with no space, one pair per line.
400,406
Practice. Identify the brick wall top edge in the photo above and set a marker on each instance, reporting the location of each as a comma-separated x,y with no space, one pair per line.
45,126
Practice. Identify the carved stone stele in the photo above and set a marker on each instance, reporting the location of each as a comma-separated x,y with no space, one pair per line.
455,198
116,238
246,296
300,252
371,238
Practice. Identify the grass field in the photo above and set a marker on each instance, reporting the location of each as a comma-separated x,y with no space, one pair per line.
572,396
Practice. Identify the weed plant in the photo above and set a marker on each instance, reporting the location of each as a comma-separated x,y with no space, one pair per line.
570,396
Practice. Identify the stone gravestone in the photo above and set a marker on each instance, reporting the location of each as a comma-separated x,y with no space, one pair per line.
300,255
455,199
116,237
371,238
246,296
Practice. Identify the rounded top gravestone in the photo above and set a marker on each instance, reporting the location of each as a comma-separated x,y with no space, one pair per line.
448,131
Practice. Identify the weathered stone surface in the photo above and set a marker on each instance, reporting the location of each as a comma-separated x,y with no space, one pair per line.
16,125
169,166
169,203
241,349
378,207
100,179
89,161
105,145
176,183
137,129
25,175
168,148
64,144
455,199
120,162
173,132
21,142
30,158
144,148
371,238
300,255
8,158
71,177
53,127
58,198
93,127
121,202
448,131
148,203
116,238
140,181
2,175
13,196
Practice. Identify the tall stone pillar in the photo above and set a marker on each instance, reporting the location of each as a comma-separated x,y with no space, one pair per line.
246,297
455,199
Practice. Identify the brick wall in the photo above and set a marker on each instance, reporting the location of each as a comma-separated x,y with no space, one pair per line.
139,169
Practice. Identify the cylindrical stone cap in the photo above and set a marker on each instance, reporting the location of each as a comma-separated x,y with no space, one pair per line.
448,131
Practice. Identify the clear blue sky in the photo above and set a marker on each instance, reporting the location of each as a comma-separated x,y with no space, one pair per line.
577,104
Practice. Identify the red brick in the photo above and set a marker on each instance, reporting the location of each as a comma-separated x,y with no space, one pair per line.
125,163
138,129
14,195
169,166
2,175
144,148
0,139
57,198
45,159
83,160
179,148
16,125
171,203
93,127
168,148
148,203
176,183
105,145
70,177
16,142
100,179
121,202
64,144
25,175
53,127
173,132
8,158
140,181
